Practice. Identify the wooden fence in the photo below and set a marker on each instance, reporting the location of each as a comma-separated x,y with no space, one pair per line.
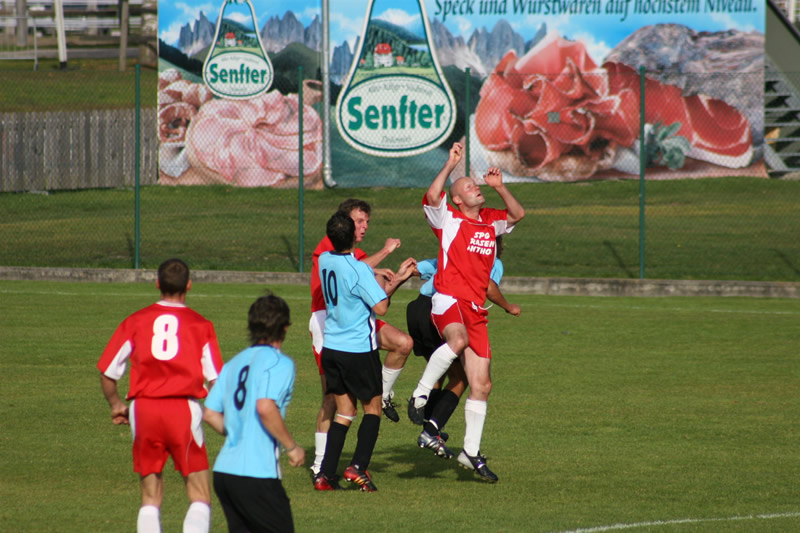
76,150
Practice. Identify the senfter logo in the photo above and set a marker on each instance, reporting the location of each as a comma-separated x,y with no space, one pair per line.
395,115
236,65
396,101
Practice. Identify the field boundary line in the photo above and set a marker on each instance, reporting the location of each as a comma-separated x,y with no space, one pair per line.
511,284
655,523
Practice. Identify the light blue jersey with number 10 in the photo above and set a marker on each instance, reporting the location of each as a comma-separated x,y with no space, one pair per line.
350,291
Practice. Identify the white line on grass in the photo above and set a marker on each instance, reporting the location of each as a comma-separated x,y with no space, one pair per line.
618,527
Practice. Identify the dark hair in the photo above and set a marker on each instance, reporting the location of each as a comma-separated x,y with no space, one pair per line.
348,205
268,319
341,230
173,276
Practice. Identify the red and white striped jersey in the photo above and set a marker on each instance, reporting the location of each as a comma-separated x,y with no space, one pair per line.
467,248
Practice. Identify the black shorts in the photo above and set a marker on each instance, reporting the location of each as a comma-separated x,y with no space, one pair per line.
421,328
257,505
358,374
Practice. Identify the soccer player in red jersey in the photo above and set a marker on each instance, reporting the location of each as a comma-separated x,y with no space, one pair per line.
172,351
398,344
467,236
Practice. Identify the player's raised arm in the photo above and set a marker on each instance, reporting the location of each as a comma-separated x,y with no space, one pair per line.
494,179
389,246
434,194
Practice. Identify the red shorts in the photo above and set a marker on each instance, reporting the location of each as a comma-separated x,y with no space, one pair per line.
167,426
447,310
316,327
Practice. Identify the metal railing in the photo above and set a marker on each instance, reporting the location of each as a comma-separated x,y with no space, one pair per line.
14,43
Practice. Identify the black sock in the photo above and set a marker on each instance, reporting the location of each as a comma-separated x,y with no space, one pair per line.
433,397
367,437
444,408
333,448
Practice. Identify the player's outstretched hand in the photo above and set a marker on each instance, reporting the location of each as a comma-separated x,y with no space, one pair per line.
407,269
391,245
297,457
514,309
456,152
384,276
493,178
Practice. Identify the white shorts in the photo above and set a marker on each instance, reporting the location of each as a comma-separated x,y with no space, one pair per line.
316,326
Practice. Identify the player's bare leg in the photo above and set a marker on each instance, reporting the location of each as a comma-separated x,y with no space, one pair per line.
198,489
398,345
480,382
324,419
149,518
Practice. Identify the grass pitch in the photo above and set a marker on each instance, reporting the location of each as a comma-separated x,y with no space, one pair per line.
667,415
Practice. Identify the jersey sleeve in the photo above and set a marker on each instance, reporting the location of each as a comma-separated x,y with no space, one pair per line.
497,271
436,215
498,218
212,357
114,360
367,288
427,268
216,396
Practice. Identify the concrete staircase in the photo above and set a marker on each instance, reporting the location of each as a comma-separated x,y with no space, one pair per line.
781,93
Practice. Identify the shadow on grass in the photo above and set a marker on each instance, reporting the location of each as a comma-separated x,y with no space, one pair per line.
412,462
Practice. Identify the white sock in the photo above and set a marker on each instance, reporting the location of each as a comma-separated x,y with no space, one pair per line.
440,361
475,416
198,518
389,376
320,441
149,520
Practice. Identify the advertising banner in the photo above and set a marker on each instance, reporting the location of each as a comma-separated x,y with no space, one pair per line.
558,84
547,90
228,93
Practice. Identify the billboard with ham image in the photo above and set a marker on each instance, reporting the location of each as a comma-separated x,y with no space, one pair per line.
228,94
559,87
555,89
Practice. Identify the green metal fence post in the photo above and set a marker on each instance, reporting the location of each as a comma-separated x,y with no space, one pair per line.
300,249
138,155
642,167
467,77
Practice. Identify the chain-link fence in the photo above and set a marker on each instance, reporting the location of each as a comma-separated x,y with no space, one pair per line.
568,144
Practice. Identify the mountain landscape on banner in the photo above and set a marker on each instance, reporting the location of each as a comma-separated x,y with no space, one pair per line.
480,52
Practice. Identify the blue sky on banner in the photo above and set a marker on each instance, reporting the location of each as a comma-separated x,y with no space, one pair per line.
347,18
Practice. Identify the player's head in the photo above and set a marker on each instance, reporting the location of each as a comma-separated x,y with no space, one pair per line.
466,194
359,211
173,277
341,231
268,319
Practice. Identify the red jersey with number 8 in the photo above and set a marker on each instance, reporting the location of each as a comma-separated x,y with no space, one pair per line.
172,350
